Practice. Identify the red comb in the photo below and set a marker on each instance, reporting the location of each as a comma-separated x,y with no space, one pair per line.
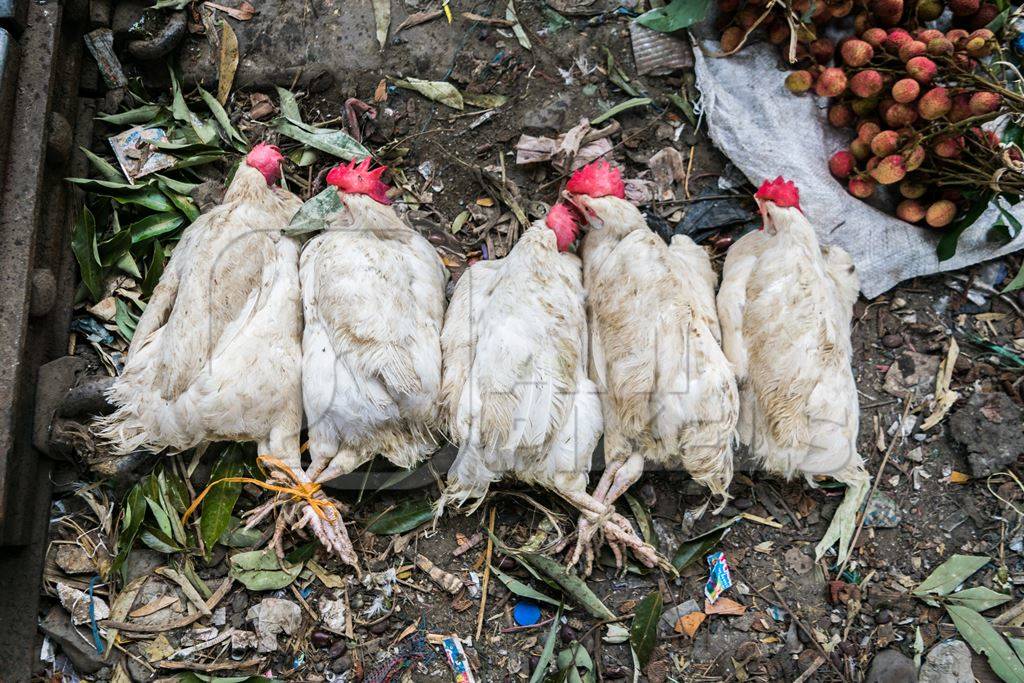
563,220
360,179
780,191
267,160
597,179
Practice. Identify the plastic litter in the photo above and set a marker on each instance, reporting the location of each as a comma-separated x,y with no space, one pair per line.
719,579
526,613
768,132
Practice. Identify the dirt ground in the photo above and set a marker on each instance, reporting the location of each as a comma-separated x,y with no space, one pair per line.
934,497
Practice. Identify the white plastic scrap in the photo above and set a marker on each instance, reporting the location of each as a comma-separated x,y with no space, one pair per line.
767,132
272,617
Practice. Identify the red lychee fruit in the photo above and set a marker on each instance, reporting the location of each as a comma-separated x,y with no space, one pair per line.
862,188
861,23
842,164
906,90
979,43
867,83
896,39
864,107
840,116
831,82
857,52
890,170
799,81
822,50
955,35
982,103
915,157
948,147
986,13
912,190
838,10
921,69
964,8
929,10
778,33
912,49
860,150
910,210
940,46
940,214
872,164
731,38
747,17
934,104
900,115
885,143
961,108
875,37
867,131
927,34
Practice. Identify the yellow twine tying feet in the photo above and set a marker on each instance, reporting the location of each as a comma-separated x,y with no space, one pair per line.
299,490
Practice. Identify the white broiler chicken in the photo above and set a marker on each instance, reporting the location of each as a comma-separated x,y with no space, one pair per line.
216,355
667,391
373,295
515,393
785,306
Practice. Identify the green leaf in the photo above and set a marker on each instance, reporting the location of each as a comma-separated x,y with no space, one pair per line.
124,320
301,553
619,108
83,244
403,518
984,639
260,570
693,549
520,588
335,142
218,504
643,520
571,660
289,105
223,120
183,204
237,536
134,513
315,214
950,574
143,114
106,169
676,15
127,264
549,649
1017,282
946,248
570,583
155,269
978,598
113,248
643,632
179,186
438,91
155,225
159,541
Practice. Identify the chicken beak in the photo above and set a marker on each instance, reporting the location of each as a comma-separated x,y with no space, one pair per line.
589,216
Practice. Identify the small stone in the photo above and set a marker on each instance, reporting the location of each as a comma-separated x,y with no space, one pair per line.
339,648
380,628
891,666
892,341
948,662
742,503
341,664
990,427
883,617
320,639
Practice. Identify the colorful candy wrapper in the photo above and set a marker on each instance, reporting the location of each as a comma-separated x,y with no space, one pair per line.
458,660
719,578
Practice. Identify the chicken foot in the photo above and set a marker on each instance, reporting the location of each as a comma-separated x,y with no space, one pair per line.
617,531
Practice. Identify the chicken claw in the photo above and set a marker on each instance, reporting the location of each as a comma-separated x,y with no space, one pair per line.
329,527
619,535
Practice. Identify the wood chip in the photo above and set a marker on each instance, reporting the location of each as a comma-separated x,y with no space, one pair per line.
155,606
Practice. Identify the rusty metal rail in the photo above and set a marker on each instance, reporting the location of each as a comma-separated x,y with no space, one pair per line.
40,63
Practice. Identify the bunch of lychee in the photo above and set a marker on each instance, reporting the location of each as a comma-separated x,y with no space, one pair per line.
907,91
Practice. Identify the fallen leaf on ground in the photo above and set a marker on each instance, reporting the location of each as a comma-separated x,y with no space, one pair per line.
228,62
724,606
243,12
689,623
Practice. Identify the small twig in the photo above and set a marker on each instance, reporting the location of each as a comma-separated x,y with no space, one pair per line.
898,438
217,596
487,575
